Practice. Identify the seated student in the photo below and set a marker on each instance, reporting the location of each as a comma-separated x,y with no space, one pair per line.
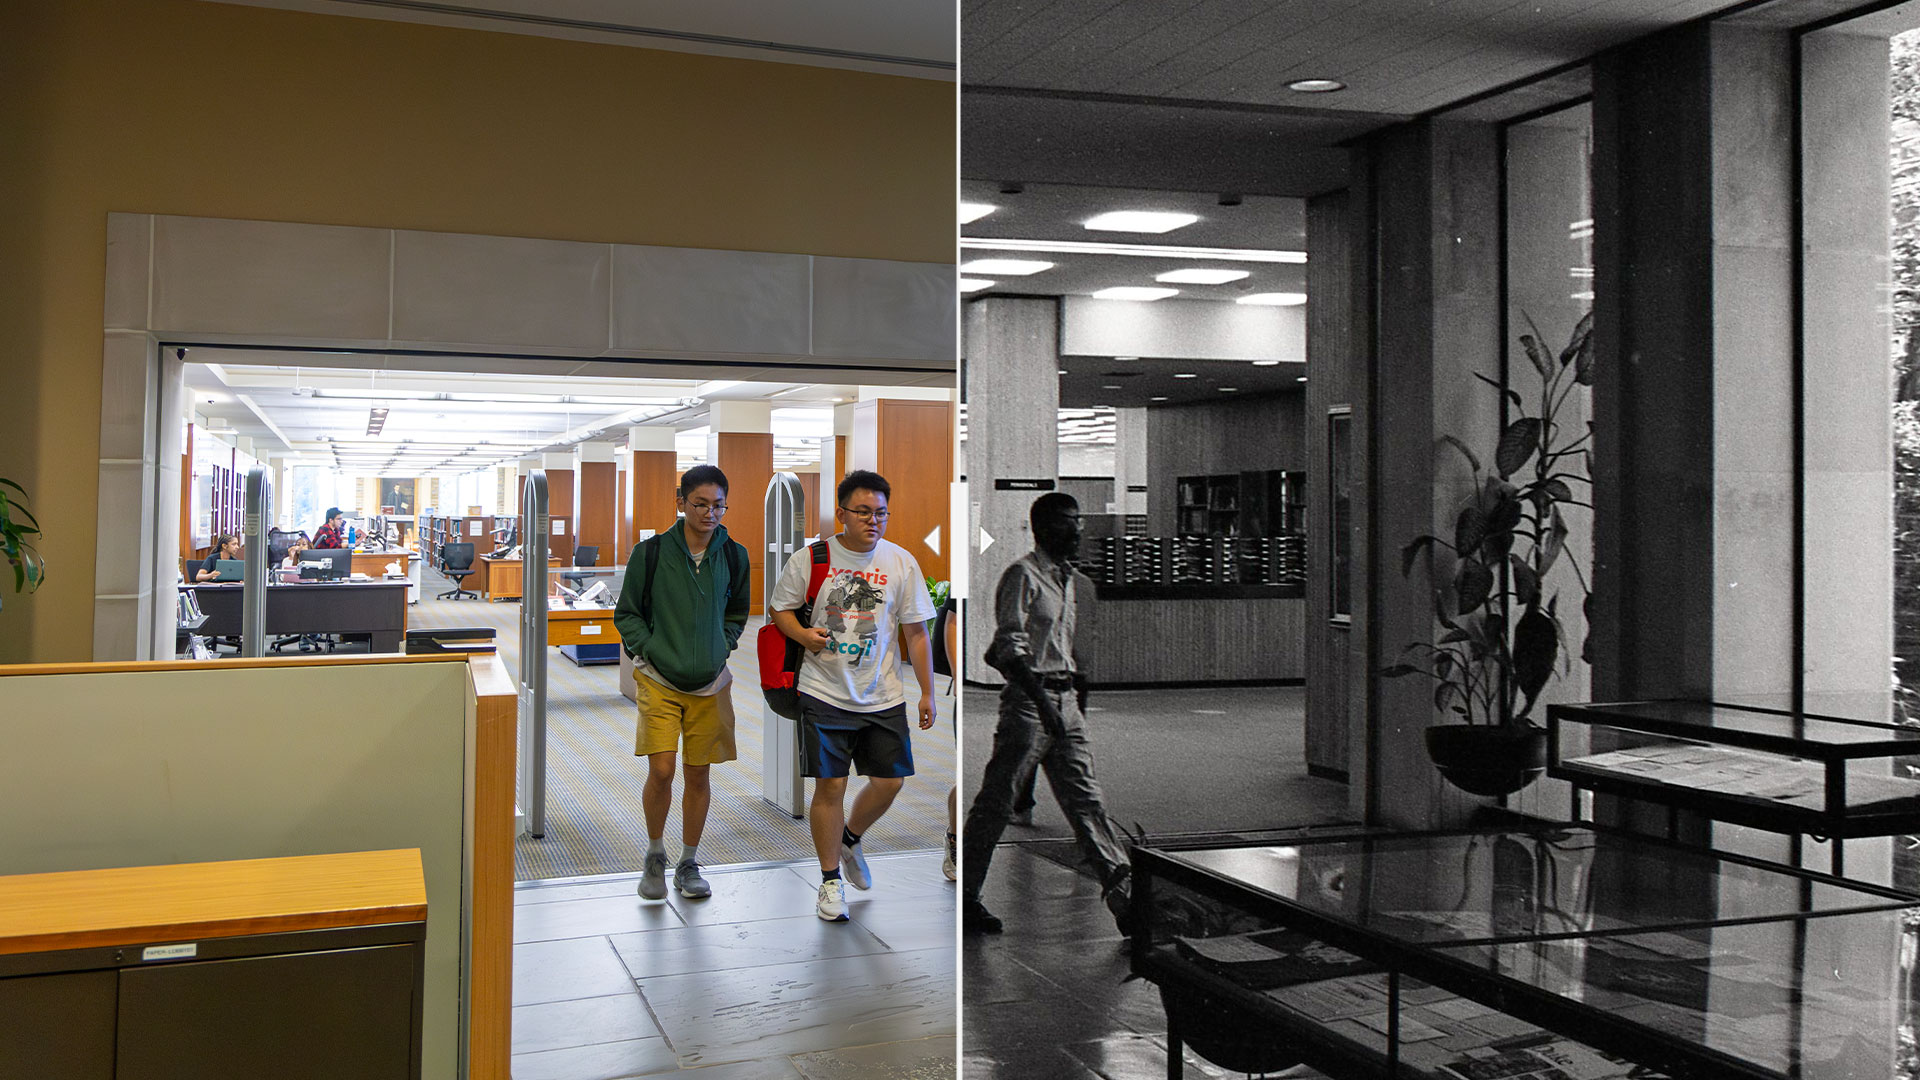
292,561
332,535
225,546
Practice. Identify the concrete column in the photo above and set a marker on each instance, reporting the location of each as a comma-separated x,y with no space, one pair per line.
740,442
654,478
1012,433
1130,462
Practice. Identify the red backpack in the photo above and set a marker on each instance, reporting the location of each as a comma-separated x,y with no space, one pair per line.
780,654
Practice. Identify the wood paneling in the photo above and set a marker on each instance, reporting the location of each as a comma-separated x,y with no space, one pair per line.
1218,640
1227,437
490,990
594,508
747,459
654,480
810,484
622,515
911,444
560,508
1331,359
80,909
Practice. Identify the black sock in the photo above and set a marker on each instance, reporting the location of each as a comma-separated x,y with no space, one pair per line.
830,875
848,836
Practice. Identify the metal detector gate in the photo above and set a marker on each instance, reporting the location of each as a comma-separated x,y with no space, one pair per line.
253,588
786,518
533,654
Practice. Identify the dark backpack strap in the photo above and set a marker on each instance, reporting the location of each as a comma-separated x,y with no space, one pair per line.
819,575
739,573
652,544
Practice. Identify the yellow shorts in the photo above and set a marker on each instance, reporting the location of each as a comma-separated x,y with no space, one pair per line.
667,715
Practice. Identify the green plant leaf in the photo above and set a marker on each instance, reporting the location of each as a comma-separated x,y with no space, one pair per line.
1536,352
1412,552
1469,529
1472,584
1579,351
1507,392
1517,445
1473,461
1554,541
1526,583
1536,645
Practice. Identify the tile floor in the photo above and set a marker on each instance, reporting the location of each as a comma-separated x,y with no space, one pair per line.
746,985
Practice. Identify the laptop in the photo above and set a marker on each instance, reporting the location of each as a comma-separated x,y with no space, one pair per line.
230,569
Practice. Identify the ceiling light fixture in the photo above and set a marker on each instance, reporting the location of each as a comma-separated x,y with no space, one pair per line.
1147,251
1186,375
1274,299
1201,276
1316,86
1302,378
1137,293
971,212
974,284
1005,267
1158,397
1063,371
1139,221
1265,363
1126,358
1228,389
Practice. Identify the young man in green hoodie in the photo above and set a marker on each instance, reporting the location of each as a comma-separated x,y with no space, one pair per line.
680,614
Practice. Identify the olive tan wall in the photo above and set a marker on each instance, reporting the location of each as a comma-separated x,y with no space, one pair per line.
194,108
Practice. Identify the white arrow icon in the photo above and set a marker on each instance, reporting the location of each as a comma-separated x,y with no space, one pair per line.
986,540
933,540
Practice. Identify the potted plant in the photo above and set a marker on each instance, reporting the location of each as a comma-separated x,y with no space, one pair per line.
1501,637
16,524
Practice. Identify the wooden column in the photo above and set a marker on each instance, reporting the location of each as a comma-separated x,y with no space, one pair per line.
594,510
747,459
560,509
910,442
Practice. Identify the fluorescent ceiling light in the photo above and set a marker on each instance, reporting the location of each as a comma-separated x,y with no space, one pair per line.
974,284
971,212
1149,251
1005,267
1228,389
1316,86
1265,363
624,400
1140,221
1158,397
377,395
712,387
1274,299
1134,292
1200,276
1186,375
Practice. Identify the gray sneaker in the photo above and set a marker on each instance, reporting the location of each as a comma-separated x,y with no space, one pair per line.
853,866
686,878
653,878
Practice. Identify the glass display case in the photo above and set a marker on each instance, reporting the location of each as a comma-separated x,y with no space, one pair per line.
1515,952
1766,768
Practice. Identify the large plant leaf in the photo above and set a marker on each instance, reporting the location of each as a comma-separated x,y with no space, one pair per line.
1553,541
1536,352
1509,393
1536,645
1472,584
1517,445
1412,552
1581,349
1526,583
1473,460
1469,529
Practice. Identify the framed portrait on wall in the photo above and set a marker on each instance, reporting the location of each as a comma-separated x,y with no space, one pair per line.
397,496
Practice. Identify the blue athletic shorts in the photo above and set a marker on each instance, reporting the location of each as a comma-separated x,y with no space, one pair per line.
833,740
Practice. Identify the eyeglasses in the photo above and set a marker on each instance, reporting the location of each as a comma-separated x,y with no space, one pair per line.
867,515
710,511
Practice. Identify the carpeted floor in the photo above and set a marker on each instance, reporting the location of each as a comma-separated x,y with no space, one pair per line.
594,823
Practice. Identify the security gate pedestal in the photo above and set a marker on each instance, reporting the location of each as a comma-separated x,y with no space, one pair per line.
786,518
533,655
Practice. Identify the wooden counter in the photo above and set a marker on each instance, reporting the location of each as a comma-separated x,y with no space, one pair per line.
374,563
80,909
1147,642
581,626
499,579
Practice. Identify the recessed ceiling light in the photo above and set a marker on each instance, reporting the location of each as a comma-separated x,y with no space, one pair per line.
1110,386
1140,221
971,212
1316,86
1302,378
1005,267
1134,292
1200,276
1186,375
1063,371
1265,363
1159,397
1126,358
1228,389
1274,299
975,284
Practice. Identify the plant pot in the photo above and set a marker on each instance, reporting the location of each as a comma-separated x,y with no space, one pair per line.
1488,760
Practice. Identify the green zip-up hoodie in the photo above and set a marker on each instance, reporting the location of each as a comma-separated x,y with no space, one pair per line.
698,614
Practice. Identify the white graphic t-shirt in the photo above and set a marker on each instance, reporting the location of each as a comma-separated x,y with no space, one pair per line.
866,598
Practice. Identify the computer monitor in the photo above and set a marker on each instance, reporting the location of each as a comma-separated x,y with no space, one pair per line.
230,569
326,564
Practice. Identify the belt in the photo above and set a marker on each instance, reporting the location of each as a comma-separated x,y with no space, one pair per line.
1056,681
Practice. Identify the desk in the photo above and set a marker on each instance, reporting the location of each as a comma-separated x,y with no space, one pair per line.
500,578
374,563
581,626
1409,954
377,608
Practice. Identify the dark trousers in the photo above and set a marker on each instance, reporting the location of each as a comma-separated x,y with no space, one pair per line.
1067,759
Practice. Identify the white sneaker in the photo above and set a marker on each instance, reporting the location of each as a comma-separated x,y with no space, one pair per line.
832,905
949,866
853,867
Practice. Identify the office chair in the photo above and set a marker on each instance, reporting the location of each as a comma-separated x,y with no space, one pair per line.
456,563
584,555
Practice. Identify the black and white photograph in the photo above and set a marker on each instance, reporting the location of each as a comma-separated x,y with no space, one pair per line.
1443,492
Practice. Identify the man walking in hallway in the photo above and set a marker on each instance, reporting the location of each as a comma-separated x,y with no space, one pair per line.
680,614
1040,715
853,708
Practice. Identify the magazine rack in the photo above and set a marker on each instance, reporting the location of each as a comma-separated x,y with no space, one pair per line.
1512,952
